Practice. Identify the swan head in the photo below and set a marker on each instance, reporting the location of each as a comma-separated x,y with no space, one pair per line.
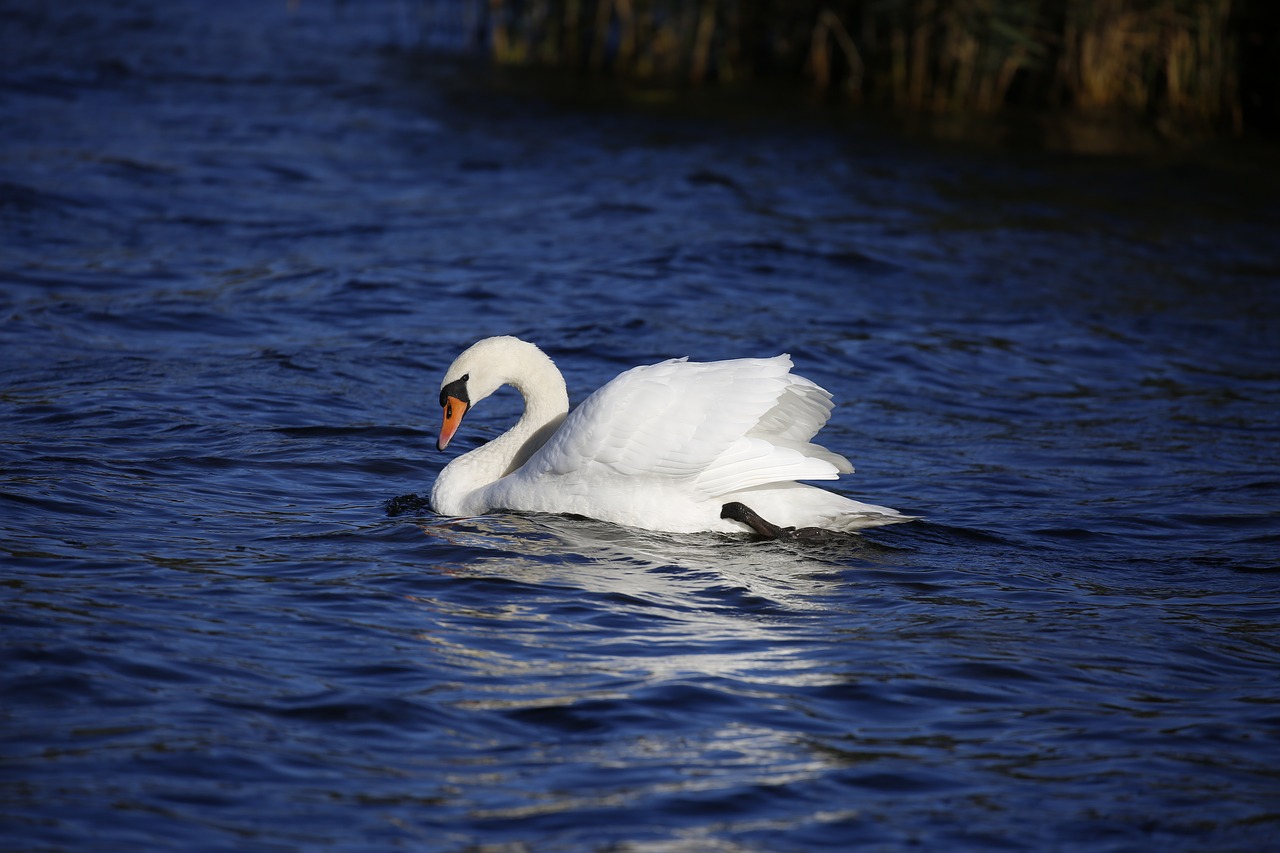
486,366
455,399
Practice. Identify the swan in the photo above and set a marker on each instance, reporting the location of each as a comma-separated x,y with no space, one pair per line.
678,446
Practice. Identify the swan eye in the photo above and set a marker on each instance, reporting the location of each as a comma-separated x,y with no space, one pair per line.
457,389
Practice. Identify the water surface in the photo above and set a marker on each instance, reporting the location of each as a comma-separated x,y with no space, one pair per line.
240,246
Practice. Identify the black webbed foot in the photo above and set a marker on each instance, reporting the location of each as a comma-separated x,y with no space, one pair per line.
737,511
816,534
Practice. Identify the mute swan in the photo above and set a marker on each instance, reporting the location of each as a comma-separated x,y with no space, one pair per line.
671,446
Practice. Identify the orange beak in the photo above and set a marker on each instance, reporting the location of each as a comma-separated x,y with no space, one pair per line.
454,409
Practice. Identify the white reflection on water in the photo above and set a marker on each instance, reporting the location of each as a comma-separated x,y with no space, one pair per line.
607,558
604,612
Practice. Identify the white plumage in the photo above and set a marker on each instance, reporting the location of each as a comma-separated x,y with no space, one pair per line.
661,447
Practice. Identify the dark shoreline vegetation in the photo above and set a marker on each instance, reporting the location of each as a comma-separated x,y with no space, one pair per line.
1187,68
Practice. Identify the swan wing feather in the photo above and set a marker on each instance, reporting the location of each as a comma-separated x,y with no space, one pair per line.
723,426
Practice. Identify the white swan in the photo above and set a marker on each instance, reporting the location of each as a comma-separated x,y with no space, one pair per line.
661,447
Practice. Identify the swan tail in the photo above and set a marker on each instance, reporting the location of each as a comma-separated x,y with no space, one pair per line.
799,505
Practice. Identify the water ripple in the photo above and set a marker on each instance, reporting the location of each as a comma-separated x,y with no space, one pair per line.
231,620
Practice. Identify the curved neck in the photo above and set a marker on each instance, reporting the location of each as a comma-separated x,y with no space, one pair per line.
458,488
546,403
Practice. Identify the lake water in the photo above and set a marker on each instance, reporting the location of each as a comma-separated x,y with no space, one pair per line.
242,243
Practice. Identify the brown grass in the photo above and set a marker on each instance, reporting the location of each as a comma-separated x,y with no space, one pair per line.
1171,60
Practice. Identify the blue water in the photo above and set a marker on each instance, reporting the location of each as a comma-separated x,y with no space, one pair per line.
241,244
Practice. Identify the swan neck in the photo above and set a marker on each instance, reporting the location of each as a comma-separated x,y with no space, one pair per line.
462,488
546,403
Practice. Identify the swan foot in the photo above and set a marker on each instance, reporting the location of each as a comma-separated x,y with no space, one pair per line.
740,512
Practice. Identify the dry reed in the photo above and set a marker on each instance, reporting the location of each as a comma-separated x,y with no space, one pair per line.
1166,59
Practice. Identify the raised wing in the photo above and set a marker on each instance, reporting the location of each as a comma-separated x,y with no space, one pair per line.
722,426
